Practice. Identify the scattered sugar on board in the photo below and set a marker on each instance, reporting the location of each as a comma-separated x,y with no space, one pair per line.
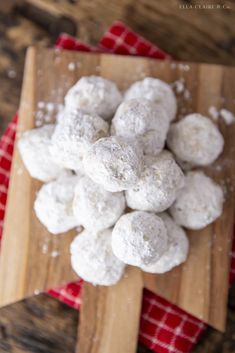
46,112
41,105
187,94
71,66
45,248
55,253
11,73
227,116
213,112
184,67
50,106
48,119
57,51
179,85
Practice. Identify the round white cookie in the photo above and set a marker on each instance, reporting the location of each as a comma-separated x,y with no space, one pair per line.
34,148
114,162
74,135
157,91
195,140
158,186
54,204
95,95
177,251
93,260
144,120
139,238
199,203
97,208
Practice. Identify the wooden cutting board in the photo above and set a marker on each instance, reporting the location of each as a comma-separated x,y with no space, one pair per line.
32,260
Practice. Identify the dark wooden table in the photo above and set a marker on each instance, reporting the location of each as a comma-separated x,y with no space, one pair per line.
42,324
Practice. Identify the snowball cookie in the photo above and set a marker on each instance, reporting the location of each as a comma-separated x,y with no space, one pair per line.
93,260
74,135
97,208
139,238
34,148
177,251
95,95
54,204
199,203
158,186
142,119
157,91
196,140
114,162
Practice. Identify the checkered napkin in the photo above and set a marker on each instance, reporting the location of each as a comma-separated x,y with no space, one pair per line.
164,328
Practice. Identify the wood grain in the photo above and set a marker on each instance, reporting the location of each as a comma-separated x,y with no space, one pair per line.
209,248
209,251
158,20
27,246
38,325
109,316
42,324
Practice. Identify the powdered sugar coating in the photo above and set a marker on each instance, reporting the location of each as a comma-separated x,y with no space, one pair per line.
34,148
73,136
54,204
177,251
157,91
142,119
114,162
196,140
158,186
95,95
139,238
97,208
93,260
199,203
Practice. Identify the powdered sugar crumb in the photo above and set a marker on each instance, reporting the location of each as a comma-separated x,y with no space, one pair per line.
50,107
45,248
41,105
227,116
187,94
179,86
11,73
71,66
55,253
213,112
184,67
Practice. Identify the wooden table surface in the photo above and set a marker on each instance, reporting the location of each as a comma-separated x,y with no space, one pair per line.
35,325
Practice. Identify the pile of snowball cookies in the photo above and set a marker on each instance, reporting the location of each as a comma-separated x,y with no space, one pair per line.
106,167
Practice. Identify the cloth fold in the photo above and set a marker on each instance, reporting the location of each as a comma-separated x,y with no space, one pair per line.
164,327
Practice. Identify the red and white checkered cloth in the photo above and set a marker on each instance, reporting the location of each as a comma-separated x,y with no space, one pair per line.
164,328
